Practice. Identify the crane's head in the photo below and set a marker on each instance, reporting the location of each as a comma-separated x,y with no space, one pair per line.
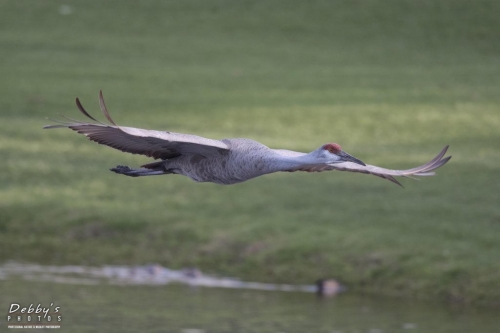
334,154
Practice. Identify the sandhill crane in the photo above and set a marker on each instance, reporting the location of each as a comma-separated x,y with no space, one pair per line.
227,161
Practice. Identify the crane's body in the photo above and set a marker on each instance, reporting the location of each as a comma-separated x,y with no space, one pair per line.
245,159
227,161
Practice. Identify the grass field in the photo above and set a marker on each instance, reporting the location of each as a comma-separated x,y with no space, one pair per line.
391,81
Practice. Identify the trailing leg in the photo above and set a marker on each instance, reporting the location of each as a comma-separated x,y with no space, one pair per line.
125,170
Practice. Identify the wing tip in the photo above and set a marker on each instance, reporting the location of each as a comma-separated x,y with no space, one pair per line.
82,110
394,180
104,110
52,126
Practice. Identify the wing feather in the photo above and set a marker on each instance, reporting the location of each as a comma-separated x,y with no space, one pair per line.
423,170
156,144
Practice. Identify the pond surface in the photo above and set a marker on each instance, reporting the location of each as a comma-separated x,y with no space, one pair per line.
91,302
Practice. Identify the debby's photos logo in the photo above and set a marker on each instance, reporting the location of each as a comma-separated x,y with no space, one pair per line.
34,316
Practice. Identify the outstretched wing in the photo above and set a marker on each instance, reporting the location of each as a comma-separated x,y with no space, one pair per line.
156,144
423,170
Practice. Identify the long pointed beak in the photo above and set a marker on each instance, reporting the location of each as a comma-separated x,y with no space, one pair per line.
345,157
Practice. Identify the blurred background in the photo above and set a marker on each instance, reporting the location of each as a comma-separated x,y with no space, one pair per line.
391,81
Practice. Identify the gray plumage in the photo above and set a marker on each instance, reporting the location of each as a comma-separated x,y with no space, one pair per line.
226,161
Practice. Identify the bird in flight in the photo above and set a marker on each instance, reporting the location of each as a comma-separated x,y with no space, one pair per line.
227,161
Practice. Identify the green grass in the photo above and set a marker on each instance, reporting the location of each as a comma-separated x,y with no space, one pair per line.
391,81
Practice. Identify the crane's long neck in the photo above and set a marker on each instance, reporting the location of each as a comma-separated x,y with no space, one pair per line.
285,162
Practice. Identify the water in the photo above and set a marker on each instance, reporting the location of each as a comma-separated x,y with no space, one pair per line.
108,302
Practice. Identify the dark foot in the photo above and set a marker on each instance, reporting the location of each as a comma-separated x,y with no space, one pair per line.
124,170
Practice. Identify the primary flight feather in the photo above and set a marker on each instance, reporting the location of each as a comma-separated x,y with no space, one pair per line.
227,161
